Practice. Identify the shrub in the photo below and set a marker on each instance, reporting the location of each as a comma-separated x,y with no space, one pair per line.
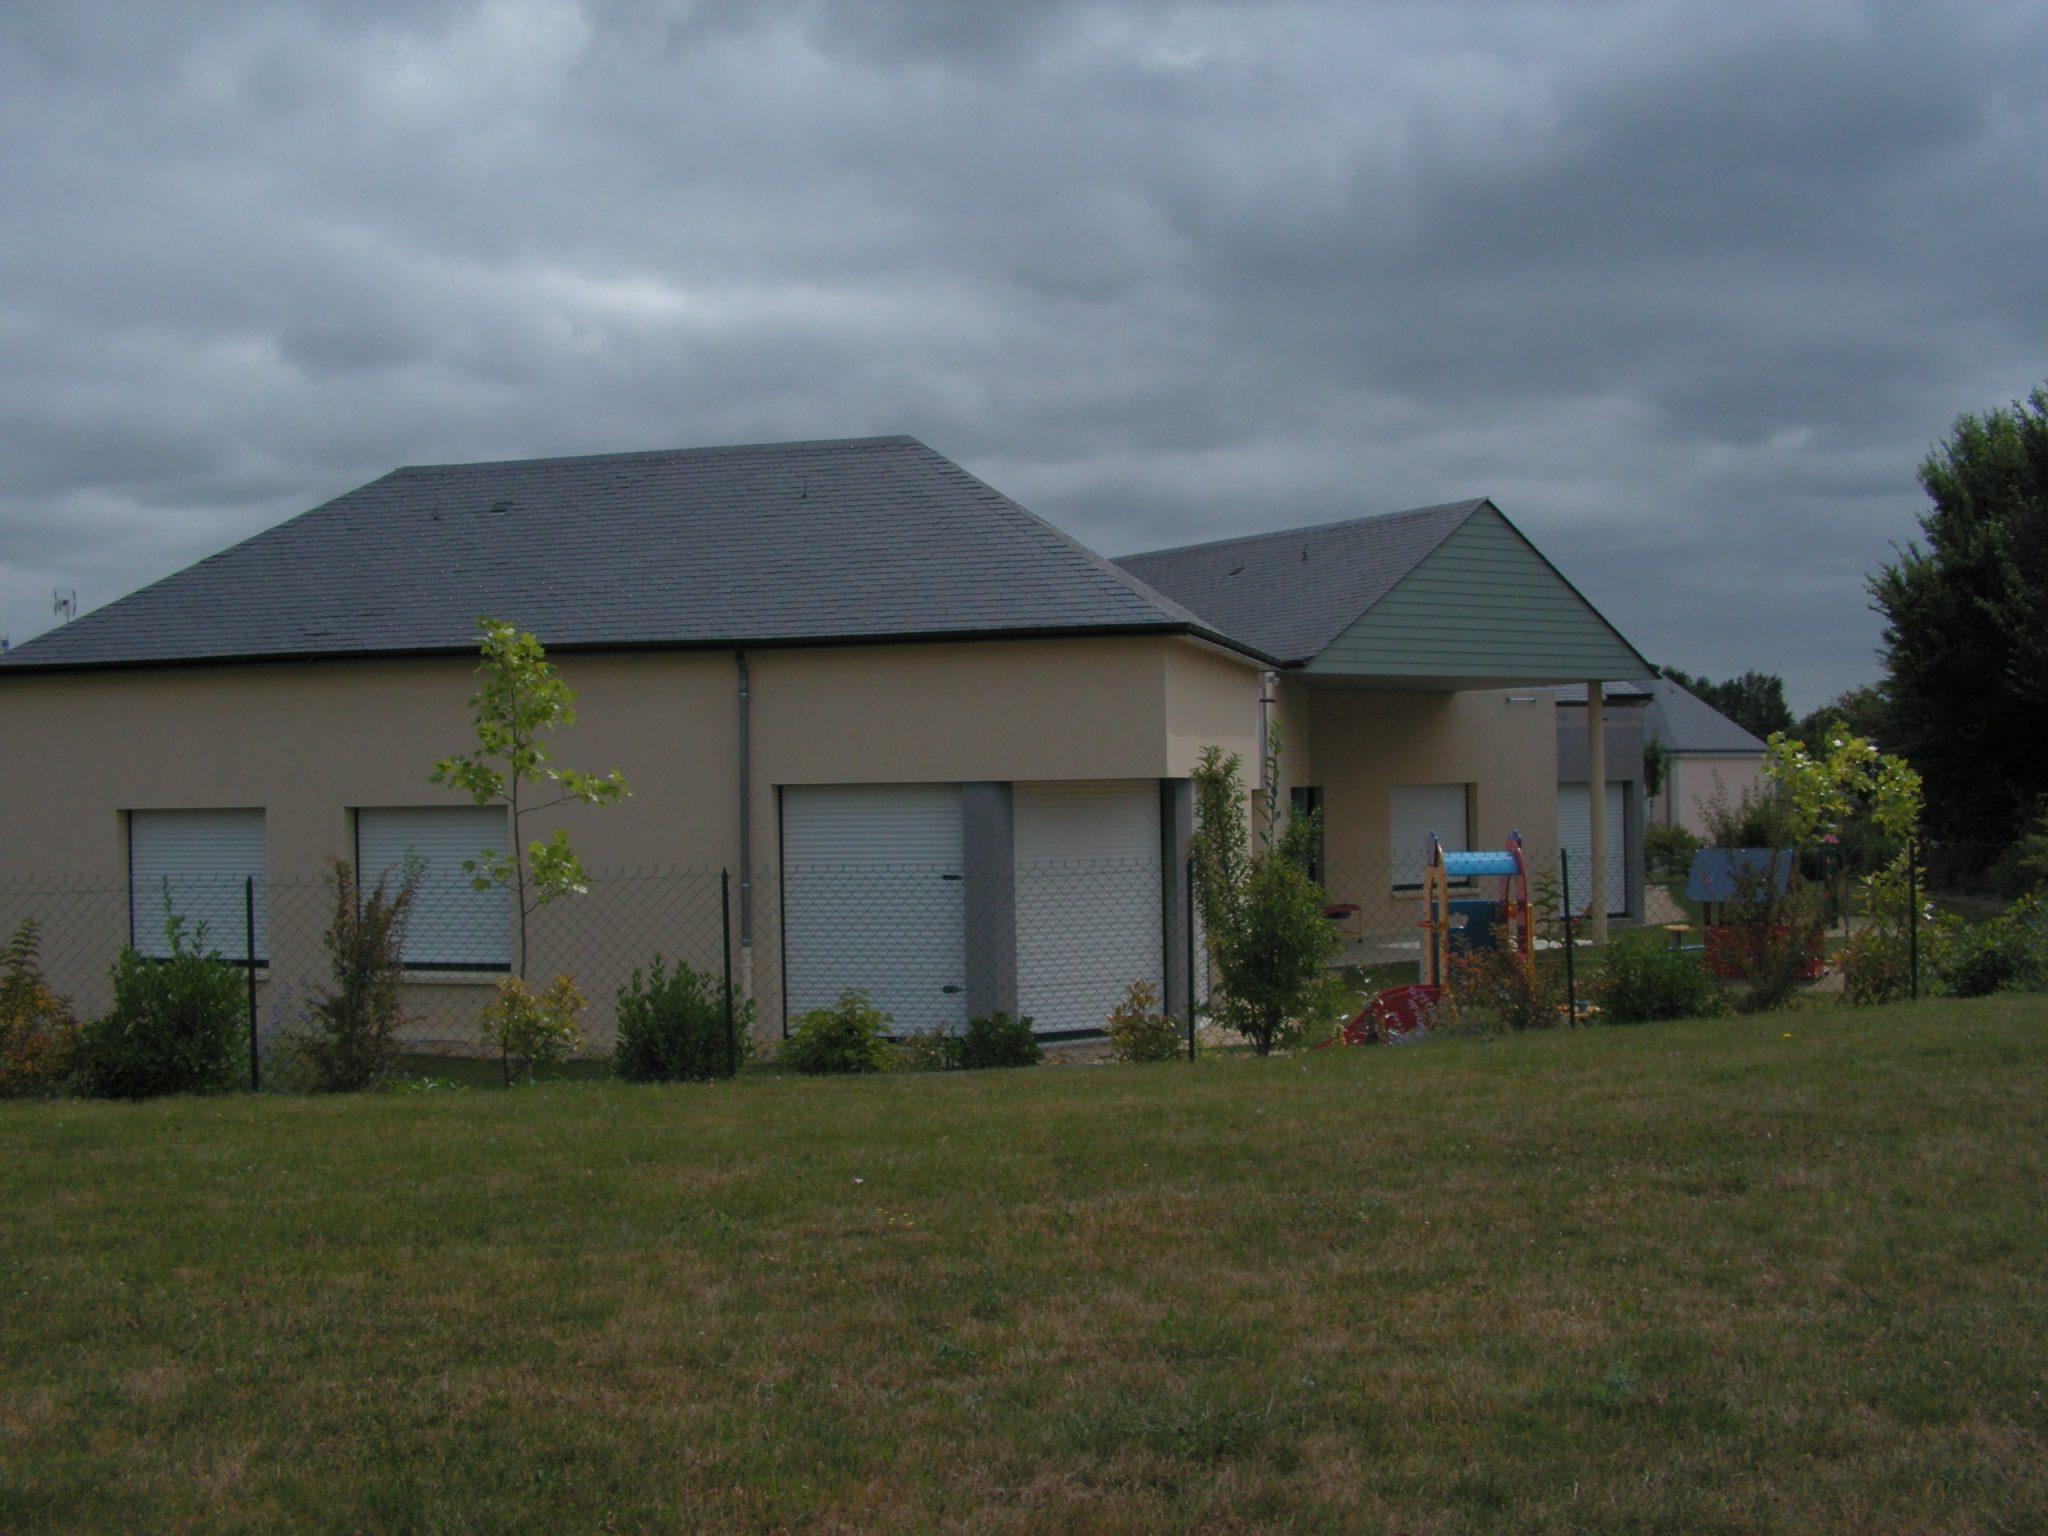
1495,986
533,1027
1669,851
672,1026
351,1038
1138,1031
1876,967
850,1036
38,1034
997,1040
2007,953
930,1050
176,1025
1645,979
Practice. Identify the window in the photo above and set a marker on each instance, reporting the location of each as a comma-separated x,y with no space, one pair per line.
201,863
454,926
1417,810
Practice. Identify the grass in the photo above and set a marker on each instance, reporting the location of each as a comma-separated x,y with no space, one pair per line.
1763,1275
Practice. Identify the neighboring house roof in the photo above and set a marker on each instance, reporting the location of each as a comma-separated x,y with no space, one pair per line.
793,543
1623,692
1443,596
1688,726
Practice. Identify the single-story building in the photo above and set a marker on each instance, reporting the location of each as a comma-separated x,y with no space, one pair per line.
1707,756
941,750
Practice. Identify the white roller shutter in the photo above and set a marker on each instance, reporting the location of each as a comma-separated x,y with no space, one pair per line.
1575,836
1415,811
873,900
453,925
1089,918
204,859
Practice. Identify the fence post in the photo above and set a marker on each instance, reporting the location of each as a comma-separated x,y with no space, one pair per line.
1913,914
1191,956
725,966
249,952
1571,976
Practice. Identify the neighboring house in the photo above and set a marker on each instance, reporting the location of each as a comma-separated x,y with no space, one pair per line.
1708,756
943,748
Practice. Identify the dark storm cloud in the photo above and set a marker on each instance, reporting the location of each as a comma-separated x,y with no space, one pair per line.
1689,289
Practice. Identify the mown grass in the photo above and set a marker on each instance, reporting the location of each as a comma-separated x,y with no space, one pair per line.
1754,1275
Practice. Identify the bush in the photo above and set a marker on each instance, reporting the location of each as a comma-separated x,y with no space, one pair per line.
1876,967
38,1034
672,1026
1669,851
1646,979
1138,1031
997,1040
533,1027
930,1050
1496,987
351,1038
176,1027
851,1036
2007,953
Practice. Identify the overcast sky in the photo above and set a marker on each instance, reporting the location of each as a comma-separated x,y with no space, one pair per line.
1688,289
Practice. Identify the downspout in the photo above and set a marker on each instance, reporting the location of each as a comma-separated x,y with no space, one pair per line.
1268,769
746,831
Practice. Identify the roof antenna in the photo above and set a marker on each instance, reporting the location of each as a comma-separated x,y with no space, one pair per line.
64,603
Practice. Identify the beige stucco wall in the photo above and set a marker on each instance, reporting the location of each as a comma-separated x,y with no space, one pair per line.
1690,783
310,743
1365,744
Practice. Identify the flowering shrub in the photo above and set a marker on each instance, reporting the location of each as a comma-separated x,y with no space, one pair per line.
37,1031
1138,1031
523,1025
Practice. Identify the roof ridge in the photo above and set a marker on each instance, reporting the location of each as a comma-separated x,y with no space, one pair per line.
643,455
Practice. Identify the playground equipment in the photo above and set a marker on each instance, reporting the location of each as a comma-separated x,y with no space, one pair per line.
1401,1012
1508,920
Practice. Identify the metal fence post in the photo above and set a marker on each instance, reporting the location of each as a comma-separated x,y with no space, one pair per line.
1913,915
1571,975
725,966
1190,924
249,951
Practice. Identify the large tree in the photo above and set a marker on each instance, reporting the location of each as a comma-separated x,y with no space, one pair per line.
1966,626
1755,701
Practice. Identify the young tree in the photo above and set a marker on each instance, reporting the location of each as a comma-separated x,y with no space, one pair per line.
521,701
1266,930
1966,627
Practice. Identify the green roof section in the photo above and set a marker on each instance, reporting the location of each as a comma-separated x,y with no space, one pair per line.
1481,609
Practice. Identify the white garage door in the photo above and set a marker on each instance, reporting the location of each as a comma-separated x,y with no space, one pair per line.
1089,919
872,900
1575,835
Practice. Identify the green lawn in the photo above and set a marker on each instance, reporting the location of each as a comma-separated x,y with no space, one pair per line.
1782,1274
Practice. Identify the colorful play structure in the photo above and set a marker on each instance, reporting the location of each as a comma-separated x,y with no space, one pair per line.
1478,924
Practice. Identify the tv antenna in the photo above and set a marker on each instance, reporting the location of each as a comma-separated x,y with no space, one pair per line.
64,603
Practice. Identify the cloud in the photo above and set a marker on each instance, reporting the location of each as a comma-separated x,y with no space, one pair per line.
1688,289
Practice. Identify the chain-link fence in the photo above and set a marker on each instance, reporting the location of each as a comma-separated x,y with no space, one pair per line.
932,944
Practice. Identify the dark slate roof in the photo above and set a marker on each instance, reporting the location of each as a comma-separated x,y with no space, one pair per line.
792,543
1291,593
1689,726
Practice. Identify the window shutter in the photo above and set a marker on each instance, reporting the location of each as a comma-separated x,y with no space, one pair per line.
204,860
453,927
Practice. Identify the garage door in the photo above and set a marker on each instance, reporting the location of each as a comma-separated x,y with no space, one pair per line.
872,900
1089,919
1575,835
